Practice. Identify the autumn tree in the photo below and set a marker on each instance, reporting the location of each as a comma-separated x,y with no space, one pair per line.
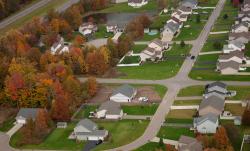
92,86
96,63
221,138
246,116
73,16
42,123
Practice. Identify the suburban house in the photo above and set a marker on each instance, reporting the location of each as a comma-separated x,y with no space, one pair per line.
109,110
170,30
233,46
243,37
212,104
180,16
228,68
87,29
206,124
190,3
245,6
214,93
59,46
26,113
88,130
154,50
236,56
216,86
243,13
186,143
244,18
124,93
176,21
137,3
185,10
112,28
239,28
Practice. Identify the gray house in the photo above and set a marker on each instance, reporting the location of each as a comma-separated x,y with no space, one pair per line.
212,104
217,86
124,93
26,113
244,37
228,68
206,124
190,3
88,130
187,143
109,110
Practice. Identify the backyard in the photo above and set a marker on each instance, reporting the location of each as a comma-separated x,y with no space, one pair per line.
186,102
102,32
174,133
140,109
212,39
138,48
160,70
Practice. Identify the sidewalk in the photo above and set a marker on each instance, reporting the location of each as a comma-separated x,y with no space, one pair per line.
165,141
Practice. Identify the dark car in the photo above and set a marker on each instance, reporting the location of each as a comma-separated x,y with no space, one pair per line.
192,57
98,142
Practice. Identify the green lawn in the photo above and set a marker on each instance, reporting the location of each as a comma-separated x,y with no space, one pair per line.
159,21
102,32
174,133
7,125
180,121
138,48
148,37
187,102
225,24
84,113
140,109
150,147
161,70
122,132
208,46
123,7
242,92
196,90
38,12
209,3
181,114
131,59
192,32
57,140
235,109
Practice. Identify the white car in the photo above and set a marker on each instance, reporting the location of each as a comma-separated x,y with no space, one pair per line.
143,99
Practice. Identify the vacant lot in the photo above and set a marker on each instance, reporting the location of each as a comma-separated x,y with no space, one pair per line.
235,109
181,114
140,109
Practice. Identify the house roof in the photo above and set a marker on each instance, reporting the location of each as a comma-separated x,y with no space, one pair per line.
136,1
185,9
230,64
238,54
208,117
59,40
237,43
98,133
125,89
218,84
173,27
241,34
189,143
159,42
111,107
189,3
28,113
239,25
88,124
214,102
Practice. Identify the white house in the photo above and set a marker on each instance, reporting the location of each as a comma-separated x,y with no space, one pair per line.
109,110
59,46
26,113
245,18
170,30
112,28
239,28
87,29
233,46
206,124
180,16
124,93
88,130
137,3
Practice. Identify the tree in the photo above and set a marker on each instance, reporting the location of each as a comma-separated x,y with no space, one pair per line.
246,116
96,63
42,122
225,16
236,3
73,16
182,44
233,134
161,143
92,86
162,4
79,40
198,18
217,45
221,138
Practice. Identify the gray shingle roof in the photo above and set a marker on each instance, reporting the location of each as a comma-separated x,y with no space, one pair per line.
217,83
28,113
240,24
189,143
230,64
214,102
238,54
173,27
88,124
210,116
125,89
237,43
111,107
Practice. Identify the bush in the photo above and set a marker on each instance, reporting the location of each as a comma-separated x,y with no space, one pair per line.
217,45
182,44
225,16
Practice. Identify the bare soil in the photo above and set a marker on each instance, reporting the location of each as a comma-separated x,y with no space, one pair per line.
149,92
102,95
113,73
6,113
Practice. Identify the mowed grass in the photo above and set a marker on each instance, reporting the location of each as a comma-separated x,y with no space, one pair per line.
208,46
140,109
196,90
162,70
181,114
84,112
186,102
174,133
57,140
102,32
235,109
123,7
138,48
149,147
38,12
210,3
122,132
192,32
7,125
148,37
159,21
225,24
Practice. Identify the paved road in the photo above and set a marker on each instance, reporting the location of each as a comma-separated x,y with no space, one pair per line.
32,8
4,142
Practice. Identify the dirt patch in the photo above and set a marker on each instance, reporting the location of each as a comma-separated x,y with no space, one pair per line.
149,92
102,95
6,113
113,73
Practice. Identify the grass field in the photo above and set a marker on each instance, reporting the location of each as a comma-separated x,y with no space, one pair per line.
84,113
208,46
138,48
181,114
102,32
38,12
149,147
159,21
57,140
192,91
192,32
161,70
140,109
148,37
123,7
186,102
225,24
122,132
210,3
174,133
7,125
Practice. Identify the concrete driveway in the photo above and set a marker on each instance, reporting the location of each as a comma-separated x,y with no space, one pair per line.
4,142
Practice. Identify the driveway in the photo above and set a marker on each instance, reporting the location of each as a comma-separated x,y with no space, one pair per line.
89,145
4,142
98,42
14,129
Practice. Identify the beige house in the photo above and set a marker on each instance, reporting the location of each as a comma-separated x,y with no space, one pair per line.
212,104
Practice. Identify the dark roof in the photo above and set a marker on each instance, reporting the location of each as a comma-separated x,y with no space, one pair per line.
240,24
214,102
217,83
28,113
125,89
185,9
210,116
237,53
242,34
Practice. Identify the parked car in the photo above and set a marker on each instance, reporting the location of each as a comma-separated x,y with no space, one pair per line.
98,142
192,57
143,99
